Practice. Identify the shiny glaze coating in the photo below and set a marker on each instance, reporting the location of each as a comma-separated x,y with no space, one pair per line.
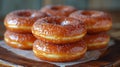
95,21
22,20
96,41
59,53
19,40
58,29
58,10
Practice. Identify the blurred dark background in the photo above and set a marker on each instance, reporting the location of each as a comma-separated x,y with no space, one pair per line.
111,6
7,6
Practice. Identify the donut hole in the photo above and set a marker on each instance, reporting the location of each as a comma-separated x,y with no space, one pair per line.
59,21
56,8
24,14
87,13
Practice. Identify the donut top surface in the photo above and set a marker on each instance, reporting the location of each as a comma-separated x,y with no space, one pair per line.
60,26
23,17
95,21
58,10
85,15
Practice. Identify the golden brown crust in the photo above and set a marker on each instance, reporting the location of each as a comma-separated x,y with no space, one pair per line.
22,20
19,40
95,21
59,53
58,10
96,41
59,29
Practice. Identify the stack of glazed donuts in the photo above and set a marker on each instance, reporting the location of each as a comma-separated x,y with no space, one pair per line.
62,33
97,24
18,24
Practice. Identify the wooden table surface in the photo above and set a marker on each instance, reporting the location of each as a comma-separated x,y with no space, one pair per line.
112,59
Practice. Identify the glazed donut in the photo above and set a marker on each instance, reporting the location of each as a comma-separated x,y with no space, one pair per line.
19,40
22,20
96,41
59,53
95,21
58,30
58,10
